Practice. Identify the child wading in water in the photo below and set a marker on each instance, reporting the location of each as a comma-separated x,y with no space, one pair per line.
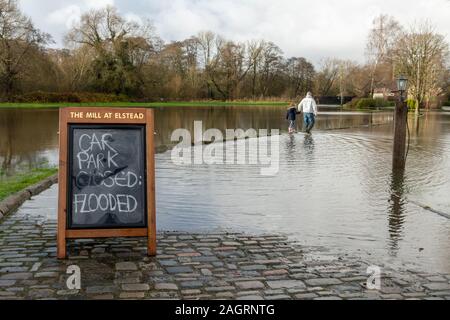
292,117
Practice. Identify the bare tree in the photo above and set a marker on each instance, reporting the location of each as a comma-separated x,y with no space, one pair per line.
356,81
74,66
225,64
271,68
107,53
327,76
233,63
18,37
346,78
255,49
208,42
381,41
422,55
105,28
300,76
122,48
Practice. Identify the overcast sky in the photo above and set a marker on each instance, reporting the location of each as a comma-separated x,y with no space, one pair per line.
314,29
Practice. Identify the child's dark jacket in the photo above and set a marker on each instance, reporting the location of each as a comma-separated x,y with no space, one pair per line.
292,114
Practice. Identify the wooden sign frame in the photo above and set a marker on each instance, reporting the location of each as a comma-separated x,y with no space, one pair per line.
105,116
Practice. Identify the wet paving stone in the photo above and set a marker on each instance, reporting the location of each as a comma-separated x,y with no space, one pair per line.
192,284
166,286
322,282
135,287
246,285
126,266
250,298
189,266
437,286
286,284
13,269
7,283
132,295
46,275
305,296
15,276
175,270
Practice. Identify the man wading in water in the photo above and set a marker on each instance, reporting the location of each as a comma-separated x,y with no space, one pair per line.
309,108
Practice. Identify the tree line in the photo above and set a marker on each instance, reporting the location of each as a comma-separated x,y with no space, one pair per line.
105,53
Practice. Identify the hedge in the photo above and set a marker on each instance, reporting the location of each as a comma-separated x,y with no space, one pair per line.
368,103
68,97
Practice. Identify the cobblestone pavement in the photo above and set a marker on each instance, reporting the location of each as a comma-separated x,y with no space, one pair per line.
188,266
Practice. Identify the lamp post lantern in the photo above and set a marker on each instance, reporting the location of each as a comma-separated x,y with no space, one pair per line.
400,126
402,85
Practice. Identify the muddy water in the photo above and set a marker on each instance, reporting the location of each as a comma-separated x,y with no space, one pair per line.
334,189
29,138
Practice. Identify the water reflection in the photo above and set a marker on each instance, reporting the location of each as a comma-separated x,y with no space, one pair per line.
309,145
416,124
332,188
28,139
396,209
291,152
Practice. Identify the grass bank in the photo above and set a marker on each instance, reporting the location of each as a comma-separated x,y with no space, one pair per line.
16,183
368,110
141,104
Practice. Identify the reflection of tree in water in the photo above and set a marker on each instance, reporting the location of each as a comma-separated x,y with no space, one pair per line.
6,146
421,129
396,209
24,136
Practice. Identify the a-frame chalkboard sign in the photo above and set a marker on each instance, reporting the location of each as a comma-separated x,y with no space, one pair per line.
106,175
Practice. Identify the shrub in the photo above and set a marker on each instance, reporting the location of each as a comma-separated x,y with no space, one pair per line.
381,103
368,103
352,104
68,97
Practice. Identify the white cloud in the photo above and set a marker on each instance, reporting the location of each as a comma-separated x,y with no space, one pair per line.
69,13
313,29
97,4
132,17
67,16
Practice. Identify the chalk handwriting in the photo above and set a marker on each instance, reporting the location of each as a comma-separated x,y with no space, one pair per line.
98,168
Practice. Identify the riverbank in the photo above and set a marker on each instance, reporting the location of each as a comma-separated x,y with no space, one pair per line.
215,265
14,191
19,182
143,105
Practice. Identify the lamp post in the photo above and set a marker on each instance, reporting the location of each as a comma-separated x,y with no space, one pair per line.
400,126
402,85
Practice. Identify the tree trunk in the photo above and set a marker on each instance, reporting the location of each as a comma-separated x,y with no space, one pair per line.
9,87
372,82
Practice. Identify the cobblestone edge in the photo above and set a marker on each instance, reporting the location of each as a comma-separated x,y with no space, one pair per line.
13,202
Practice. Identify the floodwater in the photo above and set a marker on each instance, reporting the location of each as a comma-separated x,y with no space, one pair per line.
335,188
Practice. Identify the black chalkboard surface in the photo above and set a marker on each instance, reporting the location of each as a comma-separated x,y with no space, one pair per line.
107,177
